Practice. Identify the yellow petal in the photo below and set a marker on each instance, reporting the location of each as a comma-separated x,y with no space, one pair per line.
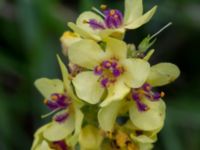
85,53
86,16
43,146
133,10
141,20
67,39
116,92
108,114
48,86
90,138
87,87
162,74
114,33
59,131
136,72
116,48
152,119
83,32
146,146
38,136
72,141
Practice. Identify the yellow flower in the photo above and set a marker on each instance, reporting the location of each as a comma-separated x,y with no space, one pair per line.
90,138
111,22
146,108
62,102
108,70
41,143
67,39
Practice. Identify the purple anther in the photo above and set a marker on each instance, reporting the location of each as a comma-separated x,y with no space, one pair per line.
51,105
61,117
141,106
147,87
156,96
98,70
94,24
116,72
106,64
114,64
113,18
104,82
136,96
61,144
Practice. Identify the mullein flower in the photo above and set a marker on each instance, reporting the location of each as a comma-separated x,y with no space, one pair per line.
67,39
41,143
62,102
108,69
90,138
112,21
146,107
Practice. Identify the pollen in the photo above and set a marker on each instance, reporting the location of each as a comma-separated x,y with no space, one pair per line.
162,94
103,7
54,97
112,12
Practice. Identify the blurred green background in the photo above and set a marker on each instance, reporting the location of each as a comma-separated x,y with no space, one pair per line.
29,39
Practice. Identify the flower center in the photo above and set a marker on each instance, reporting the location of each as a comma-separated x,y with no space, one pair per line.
145,91
108,71
113,18
59,145
58,102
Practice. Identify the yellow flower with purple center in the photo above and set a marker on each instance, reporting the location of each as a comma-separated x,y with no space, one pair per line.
111,22
41,143
64,106
107,70
145,106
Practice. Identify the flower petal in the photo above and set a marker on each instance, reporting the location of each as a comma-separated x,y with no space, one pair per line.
136,72
108,114
59,131
152,119
141,20
38,136
83,33
133,10
48,86
87,87
116,92
85,17
72,141
116,48
67,39
43,146
85,53
162,74
90,138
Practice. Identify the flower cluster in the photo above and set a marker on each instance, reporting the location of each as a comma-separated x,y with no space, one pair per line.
107,98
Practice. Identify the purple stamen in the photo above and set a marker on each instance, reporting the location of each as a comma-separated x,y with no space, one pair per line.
98,70
61,144
113,18
104,82
141,106
94,24
156,96
51,105
147,87
116,72
61,117
106,64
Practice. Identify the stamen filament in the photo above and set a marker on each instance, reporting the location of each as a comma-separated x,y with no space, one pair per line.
161,30
98,11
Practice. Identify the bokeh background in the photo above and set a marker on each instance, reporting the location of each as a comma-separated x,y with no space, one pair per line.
29,39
